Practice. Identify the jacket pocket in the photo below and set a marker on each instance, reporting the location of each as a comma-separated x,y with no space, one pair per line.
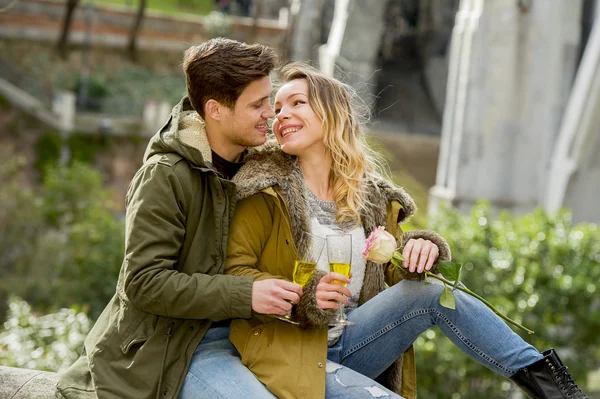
140,333
258,341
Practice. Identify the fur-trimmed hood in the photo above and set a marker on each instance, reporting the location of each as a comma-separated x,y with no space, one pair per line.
268,166
185,134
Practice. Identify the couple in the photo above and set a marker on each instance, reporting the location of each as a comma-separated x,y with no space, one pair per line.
212,233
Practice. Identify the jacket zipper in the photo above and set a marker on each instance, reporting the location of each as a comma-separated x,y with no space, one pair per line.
162,363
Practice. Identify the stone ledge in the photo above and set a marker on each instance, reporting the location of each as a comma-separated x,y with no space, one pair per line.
16,383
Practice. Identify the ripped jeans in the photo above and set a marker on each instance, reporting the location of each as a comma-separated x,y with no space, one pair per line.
390,322
385,327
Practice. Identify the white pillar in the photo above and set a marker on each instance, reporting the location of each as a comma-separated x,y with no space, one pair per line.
353,43
574,176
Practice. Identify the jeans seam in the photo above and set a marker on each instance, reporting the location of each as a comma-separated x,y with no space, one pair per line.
473,348
383,331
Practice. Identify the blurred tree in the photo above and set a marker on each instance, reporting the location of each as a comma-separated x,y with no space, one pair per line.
63,40
61,249
135,28
20,223
539,270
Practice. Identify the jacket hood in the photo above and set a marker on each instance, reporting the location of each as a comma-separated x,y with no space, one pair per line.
185,134
268,166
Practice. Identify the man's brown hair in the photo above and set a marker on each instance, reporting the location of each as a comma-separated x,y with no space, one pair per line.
220,69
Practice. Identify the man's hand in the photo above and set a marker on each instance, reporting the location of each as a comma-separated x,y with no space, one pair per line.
328,292
274,296
420,255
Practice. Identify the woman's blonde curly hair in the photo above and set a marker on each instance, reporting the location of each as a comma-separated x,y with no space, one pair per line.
336,105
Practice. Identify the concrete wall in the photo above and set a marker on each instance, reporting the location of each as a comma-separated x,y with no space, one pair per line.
510,75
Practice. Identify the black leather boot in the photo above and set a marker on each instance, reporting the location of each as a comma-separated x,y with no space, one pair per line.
548,378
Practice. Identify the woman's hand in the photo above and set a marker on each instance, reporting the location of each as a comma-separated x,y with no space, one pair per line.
329,293
419,255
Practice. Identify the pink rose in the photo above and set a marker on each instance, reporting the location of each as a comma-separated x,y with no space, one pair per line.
380,247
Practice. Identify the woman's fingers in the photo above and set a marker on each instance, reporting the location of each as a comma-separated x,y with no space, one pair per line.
420,255
329,293
414,255
433,255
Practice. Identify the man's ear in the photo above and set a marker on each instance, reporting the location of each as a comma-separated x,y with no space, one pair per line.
213,109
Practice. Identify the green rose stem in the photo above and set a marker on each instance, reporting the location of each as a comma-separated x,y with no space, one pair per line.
463,288
452,270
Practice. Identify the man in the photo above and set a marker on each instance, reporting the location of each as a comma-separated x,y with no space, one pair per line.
170,288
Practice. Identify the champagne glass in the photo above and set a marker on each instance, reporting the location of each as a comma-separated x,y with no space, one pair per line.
339,254
308,254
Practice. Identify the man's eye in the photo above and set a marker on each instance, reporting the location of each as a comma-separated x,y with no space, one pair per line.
277,110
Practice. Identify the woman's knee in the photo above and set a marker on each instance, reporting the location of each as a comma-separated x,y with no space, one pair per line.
426,293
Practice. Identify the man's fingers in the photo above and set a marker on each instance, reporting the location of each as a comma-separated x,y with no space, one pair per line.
289,286
290,296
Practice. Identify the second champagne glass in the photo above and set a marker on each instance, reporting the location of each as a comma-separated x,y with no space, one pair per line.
339,254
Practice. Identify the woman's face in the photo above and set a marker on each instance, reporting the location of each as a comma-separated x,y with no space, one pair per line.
296,126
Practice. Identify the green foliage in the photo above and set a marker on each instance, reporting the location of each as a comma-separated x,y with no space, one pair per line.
51,342
4,103
538,269
83,148
69,242
198,7
21,221
47,149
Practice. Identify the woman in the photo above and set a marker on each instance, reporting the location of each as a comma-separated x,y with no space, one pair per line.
321,180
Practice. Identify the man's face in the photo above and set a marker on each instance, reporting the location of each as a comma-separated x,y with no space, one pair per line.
247,124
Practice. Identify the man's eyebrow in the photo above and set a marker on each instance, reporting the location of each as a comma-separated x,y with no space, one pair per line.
260,100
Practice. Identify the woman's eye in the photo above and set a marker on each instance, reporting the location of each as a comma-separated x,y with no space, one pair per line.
277,110
299,102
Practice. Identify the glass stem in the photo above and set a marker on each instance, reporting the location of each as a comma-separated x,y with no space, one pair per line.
342,315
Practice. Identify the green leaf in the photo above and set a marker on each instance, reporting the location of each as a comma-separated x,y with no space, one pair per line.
450,270
447,298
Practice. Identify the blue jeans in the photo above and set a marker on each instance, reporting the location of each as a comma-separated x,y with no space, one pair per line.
390,322
216,372
385,327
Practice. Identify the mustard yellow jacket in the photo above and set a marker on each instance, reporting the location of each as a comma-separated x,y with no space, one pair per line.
271,214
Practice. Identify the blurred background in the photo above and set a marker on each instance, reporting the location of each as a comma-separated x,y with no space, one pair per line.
487,112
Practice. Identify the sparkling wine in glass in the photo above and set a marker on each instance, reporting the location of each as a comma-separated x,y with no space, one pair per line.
339,254
309,252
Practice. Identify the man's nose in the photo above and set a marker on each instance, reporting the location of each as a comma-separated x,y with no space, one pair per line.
269,113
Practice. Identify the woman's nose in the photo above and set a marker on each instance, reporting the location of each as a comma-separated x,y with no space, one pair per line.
282,115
